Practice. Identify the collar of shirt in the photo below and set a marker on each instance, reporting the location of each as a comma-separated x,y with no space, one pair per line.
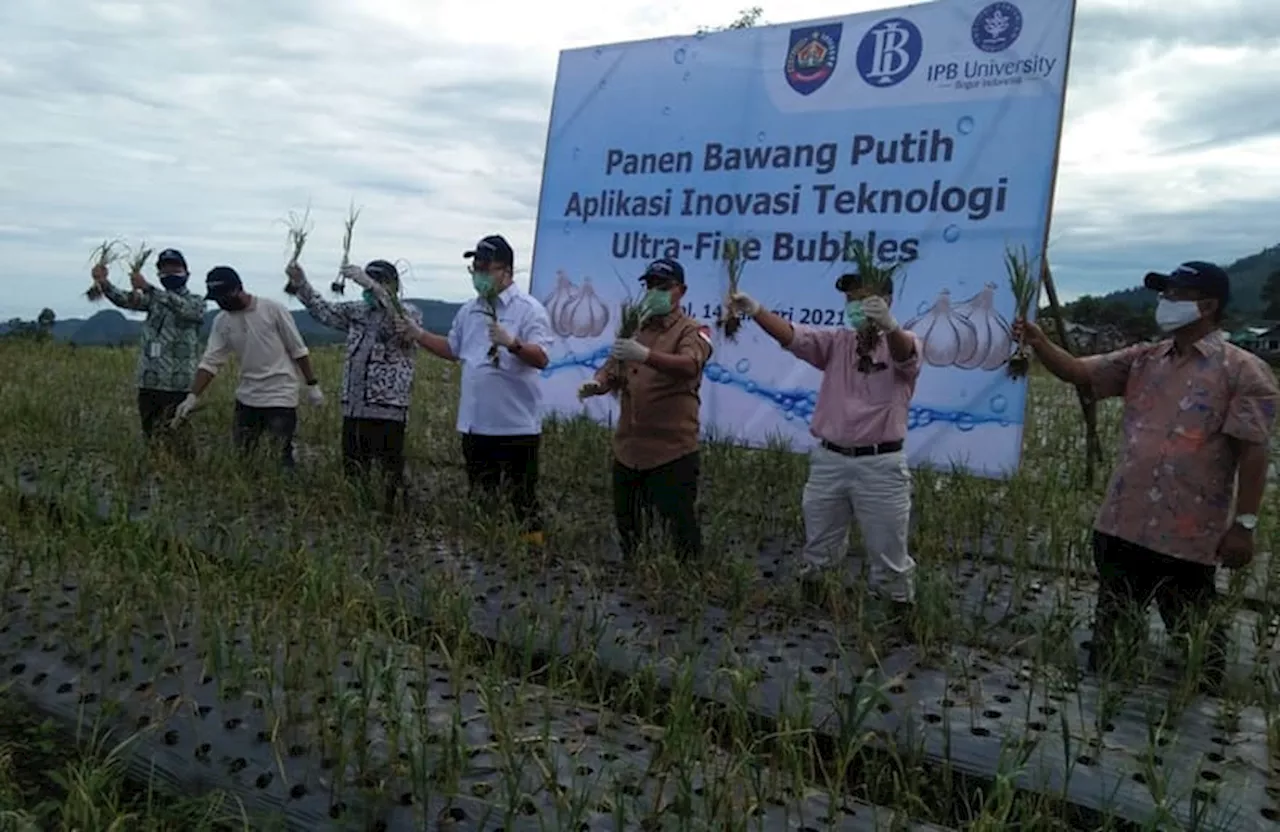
1211,344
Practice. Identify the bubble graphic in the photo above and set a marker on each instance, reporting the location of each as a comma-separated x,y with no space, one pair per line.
666,111
760,136
701,34
742,366
965,422
577,151
679,55
965,125
951,233
599,51
568,229
999,404
603,82
687,76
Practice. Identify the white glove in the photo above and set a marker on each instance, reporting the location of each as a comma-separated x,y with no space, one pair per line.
184,410
315,396
877,311
590,389
741,304
499,335
629,349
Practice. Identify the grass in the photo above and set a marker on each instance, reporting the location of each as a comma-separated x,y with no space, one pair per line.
431,656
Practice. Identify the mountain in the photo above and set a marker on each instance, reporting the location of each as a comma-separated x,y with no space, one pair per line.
1248,274
111,328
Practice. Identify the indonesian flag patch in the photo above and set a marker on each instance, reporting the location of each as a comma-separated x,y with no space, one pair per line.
705,332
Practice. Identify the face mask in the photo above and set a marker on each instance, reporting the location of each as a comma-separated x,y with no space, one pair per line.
482,282
369,299
854,315
173,282
1175,314
658,301
232,304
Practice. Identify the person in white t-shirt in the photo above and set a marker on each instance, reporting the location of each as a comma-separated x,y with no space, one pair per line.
499,407
263,337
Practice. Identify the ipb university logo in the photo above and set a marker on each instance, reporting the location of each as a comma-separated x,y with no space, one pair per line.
811,59
997,27
889,52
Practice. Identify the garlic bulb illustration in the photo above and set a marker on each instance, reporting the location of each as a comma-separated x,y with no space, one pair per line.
947,337
585,315
995,339
563,294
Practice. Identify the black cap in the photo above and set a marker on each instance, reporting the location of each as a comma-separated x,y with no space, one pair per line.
850,281
1206,278
664,269
382,271
222,281
492,249
171,255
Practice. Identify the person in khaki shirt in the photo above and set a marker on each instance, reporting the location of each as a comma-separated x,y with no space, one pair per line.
655,447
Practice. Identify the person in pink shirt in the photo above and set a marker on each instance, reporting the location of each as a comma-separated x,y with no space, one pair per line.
858,470
1186,490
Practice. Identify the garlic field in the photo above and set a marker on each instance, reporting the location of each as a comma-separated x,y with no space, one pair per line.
272,640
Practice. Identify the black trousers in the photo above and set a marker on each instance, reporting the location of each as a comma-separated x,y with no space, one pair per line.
370,442
156,408
506,467
668,494
278,423
1130,577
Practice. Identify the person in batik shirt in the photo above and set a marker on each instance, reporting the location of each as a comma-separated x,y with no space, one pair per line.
1188,484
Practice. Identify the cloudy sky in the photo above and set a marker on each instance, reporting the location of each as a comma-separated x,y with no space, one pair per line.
202,123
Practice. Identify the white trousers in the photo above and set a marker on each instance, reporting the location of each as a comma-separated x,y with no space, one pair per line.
874,490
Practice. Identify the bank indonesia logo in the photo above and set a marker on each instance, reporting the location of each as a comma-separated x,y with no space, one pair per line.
811,60
889,52
996,27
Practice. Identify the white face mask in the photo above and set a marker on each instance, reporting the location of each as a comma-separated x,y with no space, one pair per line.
1175,314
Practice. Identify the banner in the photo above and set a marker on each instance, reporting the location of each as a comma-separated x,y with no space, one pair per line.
929,130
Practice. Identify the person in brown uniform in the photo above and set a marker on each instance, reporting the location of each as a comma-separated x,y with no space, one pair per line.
655,447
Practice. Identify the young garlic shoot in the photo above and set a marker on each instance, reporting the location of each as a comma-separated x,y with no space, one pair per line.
300,226
138,258
871,274
1026,288
107,253
726,321
490,299
339,286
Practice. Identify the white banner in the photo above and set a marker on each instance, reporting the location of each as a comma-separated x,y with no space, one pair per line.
930,130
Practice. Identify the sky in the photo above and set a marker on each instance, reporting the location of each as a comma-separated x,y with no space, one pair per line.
203,123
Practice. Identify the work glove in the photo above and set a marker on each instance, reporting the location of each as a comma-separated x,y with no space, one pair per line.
877,311
315,396
184,409
743,304
499,335
629,349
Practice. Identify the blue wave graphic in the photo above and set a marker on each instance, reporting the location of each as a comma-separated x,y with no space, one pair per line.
799,403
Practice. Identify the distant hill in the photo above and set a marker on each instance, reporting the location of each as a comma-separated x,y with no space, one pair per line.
111,328
1248,274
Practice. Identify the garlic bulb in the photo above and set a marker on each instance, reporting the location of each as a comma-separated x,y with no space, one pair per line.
995,339
947,336
563,294
585,316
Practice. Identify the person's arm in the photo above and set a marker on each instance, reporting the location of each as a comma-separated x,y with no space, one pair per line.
133,301
216,355
534,339
1251,416
404,334
188,308
607,377
902,347
1067,367
333,315
293,343
775,326
690,355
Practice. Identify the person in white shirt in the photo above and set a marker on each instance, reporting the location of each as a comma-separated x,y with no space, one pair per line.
499,416
263,337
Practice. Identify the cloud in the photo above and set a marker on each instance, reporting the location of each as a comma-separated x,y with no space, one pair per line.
203,123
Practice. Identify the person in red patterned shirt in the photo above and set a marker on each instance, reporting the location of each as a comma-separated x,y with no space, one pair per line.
1186,490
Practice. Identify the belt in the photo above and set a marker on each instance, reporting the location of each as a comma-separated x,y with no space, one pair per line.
864,450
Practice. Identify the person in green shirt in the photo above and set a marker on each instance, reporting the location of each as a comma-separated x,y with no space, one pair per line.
169,349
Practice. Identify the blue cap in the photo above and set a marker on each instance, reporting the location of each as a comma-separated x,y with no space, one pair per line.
1196,275
664,269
